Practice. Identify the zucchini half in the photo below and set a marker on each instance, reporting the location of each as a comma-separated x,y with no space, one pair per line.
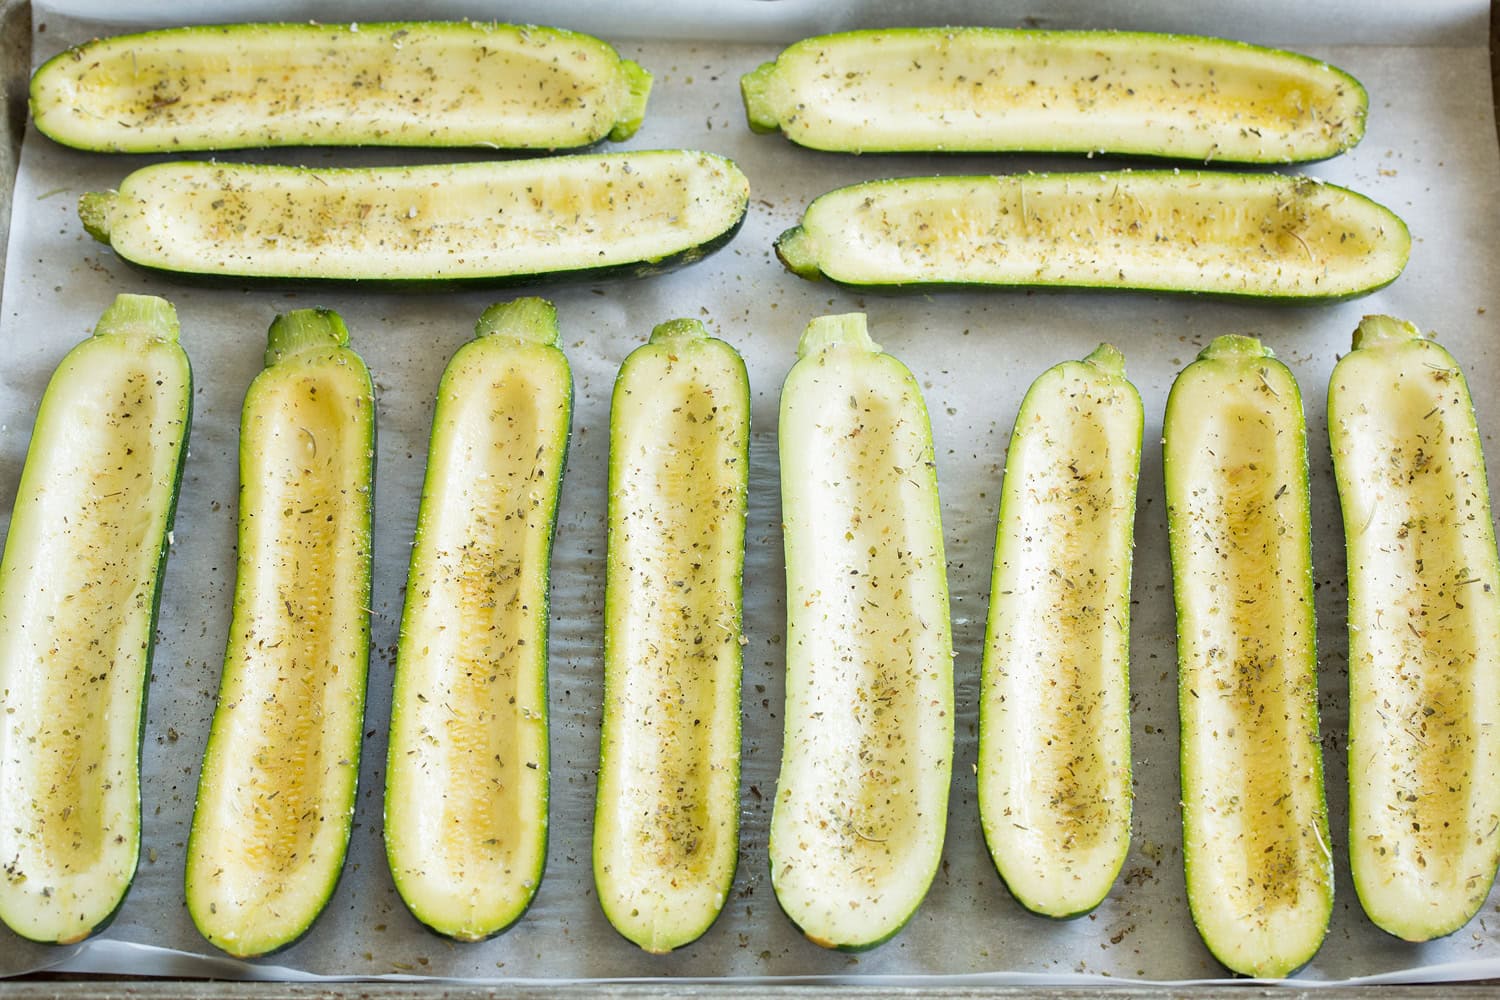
1054,705
1254,821
1424,632
1256,235
995,90
276,794
467,770
861,805
488,222
412,83
666,820
80,584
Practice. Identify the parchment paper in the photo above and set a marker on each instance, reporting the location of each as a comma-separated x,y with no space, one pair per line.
1430,154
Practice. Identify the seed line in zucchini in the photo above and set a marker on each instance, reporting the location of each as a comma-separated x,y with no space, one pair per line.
1254,822
995,90
666,819
80,584
1424,632
276,794
1253,235
861,805
413,83
1054,709
486,222
467,770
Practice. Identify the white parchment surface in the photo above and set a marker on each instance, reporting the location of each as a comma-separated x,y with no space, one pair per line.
1430,154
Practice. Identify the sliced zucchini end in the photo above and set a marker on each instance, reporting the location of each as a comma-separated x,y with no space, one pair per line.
139,315
798,253
842,330
1235,345
304,330
755,88
95,209
1107,358
528,320
637,81
1375,331
678,330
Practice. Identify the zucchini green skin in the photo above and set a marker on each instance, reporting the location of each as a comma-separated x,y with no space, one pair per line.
1261,236
1254,818
404,83
997,90
486,223
76,682
467,771
1054,709
861,805
666,817
276,794
1424,632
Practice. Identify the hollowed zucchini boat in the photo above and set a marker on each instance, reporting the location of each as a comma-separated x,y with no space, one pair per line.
487,223
80,584
861,805
467,769
993,89
413,83
276,794
1424,632
1253,235
1054,707
1254,822
666,819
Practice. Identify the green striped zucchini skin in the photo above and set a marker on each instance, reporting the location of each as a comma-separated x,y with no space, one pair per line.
441,286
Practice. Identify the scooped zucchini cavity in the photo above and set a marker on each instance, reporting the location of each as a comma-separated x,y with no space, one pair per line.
666,819
1054,708
1248,235
1424,632
1254,821
404,83
467,774
862,802
993,90
80,584
487,222
276,793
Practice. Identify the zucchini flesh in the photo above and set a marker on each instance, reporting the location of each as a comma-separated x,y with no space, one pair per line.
861,805
456,83
80,583
1424,632
1254,821
1054,709
996,90
1260,235
484,222
467,771
666,820
276,794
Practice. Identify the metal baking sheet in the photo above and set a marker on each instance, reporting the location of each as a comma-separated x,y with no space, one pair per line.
1430,154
